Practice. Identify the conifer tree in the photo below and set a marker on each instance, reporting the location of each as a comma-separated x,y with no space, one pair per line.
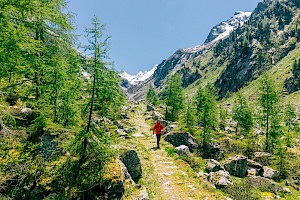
290,117
242,113
223,117
152,96
269,101
98,48
206,113
174,97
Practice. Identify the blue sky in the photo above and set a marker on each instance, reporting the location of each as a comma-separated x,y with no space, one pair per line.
145,32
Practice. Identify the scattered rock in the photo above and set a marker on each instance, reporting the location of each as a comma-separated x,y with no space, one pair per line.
215,151
118,124
253,164
220,179
183,150
180,138
129,130
237,166
203,176
122,133
132,162
252,172
287,190
269,173
157,115
213,166
170,128
263,158
148,117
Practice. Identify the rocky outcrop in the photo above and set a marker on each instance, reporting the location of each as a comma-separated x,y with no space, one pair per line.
263,158
213,166
180,138
237,166
124,172
183,150
133,164
269,173
220,179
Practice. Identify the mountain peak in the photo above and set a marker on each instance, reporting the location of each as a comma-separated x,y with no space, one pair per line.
223,29
139,77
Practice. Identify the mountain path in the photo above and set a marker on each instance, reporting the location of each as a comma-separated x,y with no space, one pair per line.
174,182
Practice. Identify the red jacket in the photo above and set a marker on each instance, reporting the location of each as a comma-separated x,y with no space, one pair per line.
158,127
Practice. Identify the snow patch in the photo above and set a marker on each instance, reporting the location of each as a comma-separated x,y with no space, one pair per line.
139,77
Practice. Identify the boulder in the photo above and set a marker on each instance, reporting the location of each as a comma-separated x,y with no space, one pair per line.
253,164
203,176
220,179
183,150
122,133
237,166
125,173
213,166
181,138
269,173
133,164
214,151
263,158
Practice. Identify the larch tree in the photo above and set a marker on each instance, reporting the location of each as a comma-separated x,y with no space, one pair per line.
174,97
269,102
206,113
98,48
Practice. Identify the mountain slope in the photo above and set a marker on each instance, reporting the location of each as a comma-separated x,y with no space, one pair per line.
232,59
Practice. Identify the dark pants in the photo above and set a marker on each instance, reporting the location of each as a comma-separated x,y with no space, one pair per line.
158,139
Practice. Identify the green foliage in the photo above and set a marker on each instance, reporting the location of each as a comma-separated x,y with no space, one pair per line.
188,120
269,101
282,160
290,117
174,97
223,117
206,113
152,96
242,191
242,113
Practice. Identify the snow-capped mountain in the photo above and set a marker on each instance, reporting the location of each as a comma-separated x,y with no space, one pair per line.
139,77
223,29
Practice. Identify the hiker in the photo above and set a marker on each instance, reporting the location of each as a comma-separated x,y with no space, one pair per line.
158,128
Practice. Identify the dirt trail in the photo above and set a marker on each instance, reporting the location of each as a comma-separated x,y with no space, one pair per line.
174,182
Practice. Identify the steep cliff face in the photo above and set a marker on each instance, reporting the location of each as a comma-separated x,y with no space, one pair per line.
181,60
268,36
